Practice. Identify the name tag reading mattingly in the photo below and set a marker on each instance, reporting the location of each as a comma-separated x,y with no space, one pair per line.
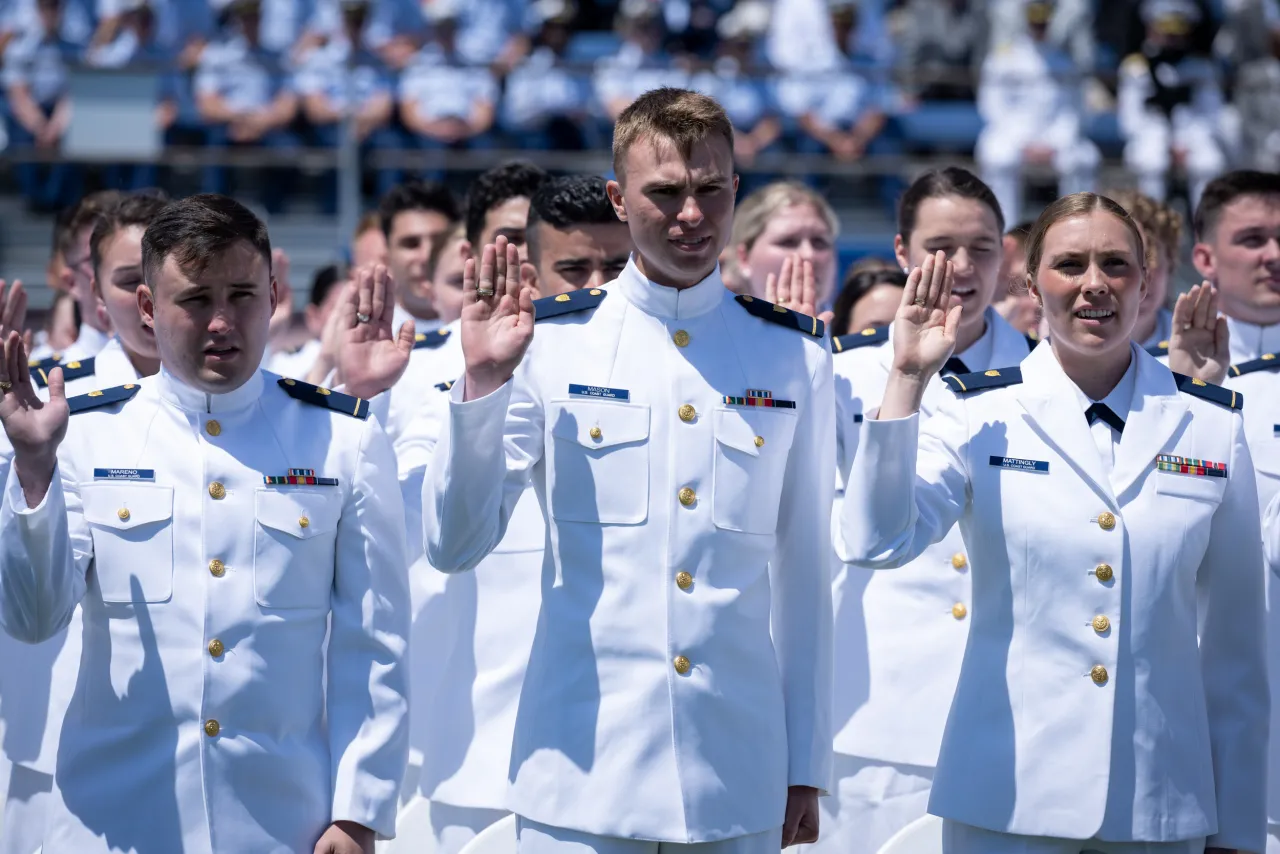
600,391
124,474
1018,464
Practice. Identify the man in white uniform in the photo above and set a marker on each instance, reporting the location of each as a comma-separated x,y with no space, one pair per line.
681,444
413,215
209,715
1237,226
95,328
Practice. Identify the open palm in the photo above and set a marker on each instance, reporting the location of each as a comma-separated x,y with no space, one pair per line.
372,355
35,427
924,329
794,288
1199,342
497,318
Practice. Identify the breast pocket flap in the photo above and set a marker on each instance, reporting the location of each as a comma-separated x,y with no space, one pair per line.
600,425
299,514
1185,486
126,507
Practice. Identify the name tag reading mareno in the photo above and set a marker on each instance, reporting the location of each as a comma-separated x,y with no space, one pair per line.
124,474
600,391
1020,465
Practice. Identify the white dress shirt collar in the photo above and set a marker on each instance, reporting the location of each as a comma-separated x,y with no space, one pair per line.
1120,398
1250,341
667,302
978,355
183,396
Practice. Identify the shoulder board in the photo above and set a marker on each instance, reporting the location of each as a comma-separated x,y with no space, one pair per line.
1033,340
1214,393
50,362
70,371
106,397
1161,349
1267,362
566,303
430,340
447,385
317,396
980,380
865,338
782,316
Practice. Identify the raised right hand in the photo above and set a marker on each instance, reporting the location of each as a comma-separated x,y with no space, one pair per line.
35,427
497,328
924,329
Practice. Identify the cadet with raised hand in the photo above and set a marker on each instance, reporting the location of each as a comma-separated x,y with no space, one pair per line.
215,523
681,444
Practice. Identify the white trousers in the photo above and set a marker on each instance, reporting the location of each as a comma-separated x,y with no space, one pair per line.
870,802
536,838
453,827
25,806
960,838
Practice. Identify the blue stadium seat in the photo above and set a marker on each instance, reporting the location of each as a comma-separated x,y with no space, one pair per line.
1104,130
588,47
950,126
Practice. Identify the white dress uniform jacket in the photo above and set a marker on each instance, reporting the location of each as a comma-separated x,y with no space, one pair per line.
200,720
916,619
680,678
1085,705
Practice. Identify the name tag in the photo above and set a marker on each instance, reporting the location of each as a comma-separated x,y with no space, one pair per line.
1020,465
600,391
124,474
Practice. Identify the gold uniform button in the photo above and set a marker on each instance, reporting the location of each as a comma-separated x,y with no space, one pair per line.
212,728
123,513
216,648
1103,572
681,338
1101,623
684,580
595,433
682,665
217,568
217,491
959,561
688,496
959,611
1106,520
688,413
213,428
304,522
1099,675
759,441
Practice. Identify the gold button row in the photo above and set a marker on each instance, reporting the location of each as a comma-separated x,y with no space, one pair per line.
216,649
959,561
217,491
212,728
1106,520
1103,572
687,496
217,568
688,413
682,664
1099,675
959,611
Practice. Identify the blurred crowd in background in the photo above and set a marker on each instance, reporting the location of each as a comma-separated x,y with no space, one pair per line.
1174,90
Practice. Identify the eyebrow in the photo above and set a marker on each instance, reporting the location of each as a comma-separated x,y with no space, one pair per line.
570,262
122,272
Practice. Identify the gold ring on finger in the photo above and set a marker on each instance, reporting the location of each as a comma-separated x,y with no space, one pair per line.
919,300
5,385
485,292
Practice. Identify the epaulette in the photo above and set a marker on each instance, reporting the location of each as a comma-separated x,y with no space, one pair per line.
783,316
106,397
1033,340
1214,393
1268,361
447,385
865,338
564,303
430,340
979,380
51,362
1161,349
317,396
70,371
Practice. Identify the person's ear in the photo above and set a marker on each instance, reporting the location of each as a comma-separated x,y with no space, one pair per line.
529,278
614,191
900,253
275,294
1204,261
146,305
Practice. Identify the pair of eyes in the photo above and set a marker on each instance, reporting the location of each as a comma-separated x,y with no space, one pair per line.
1072,265
201,299
672,192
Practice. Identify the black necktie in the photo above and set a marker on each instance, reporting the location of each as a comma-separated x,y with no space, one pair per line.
1102,412
954,366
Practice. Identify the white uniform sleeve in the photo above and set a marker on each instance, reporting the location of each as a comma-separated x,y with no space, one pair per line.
414,448
368,689
897,502
44,555
1231,602
800,581
481,466
1271,535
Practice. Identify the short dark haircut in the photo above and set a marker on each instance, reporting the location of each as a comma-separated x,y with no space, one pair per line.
565,202
513,180
84,214
197,230
1225,189
939,183
857,284
325,280
135,209
416,196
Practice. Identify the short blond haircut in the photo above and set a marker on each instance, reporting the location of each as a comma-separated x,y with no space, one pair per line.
683,117
753,215
1161,224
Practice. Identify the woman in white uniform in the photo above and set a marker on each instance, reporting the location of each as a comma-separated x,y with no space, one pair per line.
1113,694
